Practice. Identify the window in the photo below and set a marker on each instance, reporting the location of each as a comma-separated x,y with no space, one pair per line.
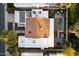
10,26
61,35
22,16
55,34
16,26
34,12
39,12
28,14
60,24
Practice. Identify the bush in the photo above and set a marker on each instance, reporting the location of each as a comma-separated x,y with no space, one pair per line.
4,36
10,7
12,39
68,51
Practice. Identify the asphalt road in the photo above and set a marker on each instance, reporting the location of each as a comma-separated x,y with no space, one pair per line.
2,48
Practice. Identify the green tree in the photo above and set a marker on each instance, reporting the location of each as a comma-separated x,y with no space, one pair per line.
10,7
72,15
4,36
12,39
73,23
68,51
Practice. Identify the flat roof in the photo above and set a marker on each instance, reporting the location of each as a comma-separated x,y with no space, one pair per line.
34,4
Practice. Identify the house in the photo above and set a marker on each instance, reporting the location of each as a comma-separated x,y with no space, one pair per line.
34,10
37,26
60,27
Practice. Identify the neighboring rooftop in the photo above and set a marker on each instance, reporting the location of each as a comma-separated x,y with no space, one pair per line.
37,5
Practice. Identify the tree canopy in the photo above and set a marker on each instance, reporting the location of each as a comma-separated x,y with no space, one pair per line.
73,14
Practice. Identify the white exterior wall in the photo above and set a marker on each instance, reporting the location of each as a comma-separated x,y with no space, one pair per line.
16,16
51,40
5,17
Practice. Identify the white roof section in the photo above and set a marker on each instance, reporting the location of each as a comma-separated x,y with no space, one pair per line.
34,4
30,4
